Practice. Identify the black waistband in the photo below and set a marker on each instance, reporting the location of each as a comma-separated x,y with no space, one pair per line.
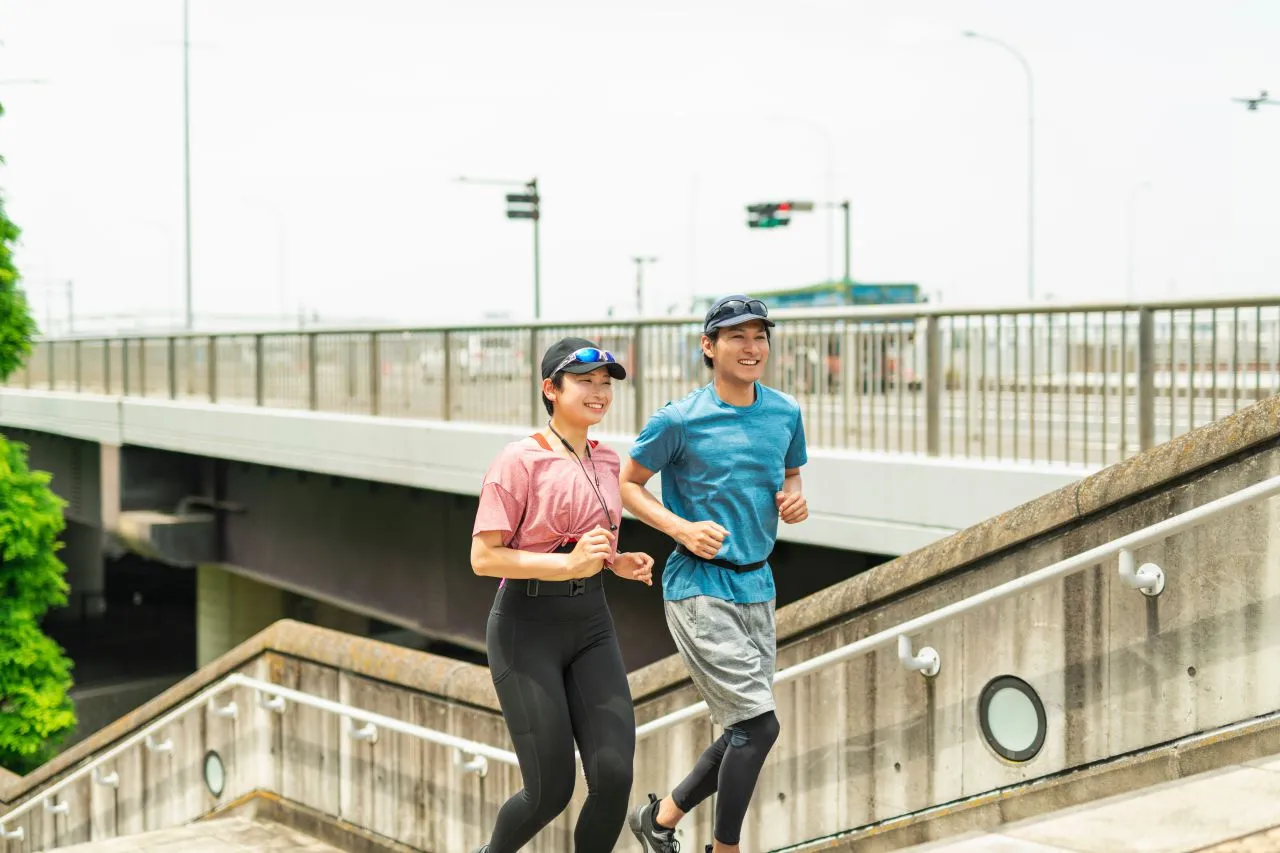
570,588
724,564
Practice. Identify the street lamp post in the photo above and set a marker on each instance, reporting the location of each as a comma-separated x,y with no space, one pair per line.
186,160
640,262
1031,160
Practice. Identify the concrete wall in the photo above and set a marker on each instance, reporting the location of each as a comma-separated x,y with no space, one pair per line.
913,501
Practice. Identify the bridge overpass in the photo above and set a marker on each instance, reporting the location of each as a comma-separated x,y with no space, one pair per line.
290,459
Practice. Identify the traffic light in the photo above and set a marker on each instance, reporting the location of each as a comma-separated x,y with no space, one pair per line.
523,205
769,215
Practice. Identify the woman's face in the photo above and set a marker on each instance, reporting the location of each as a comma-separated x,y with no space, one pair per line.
582,398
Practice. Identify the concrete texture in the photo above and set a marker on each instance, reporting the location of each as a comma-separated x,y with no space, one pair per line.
1232,809
229,835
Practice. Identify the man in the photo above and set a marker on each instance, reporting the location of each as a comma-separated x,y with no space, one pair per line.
730,455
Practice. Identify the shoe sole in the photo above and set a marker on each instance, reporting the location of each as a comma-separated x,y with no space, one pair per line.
633,822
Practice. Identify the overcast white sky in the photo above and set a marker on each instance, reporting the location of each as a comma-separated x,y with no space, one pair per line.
333,130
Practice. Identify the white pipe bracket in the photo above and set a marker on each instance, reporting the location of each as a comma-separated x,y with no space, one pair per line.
111,780
227,711
478,764
165,745
927,662
1149,578
51,807
271,703
367,732
12,835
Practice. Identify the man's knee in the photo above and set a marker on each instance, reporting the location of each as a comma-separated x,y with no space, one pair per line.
761,732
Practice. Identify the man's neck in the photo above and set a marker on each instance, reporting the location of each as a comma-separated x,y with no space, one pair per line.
735,393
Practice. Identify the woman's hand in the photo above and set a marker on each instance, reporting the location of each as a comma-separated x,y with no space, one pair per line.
588,556
634,566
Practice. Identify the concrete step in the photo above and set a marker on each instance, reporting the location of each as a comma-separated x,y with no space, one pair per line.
240,834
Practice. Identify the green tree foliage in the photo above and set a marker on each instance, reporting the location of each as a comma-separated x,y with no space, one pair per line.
35,674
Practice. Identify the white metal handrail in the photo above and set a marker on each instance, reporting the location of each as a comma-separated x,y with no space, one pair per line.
1149,578
470,756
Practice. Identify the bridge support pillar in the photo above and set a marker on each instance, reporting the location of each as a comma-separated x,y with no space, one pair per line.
230,609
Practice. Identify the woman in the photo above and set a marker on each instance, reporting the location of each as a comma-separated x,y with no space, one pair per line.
547,525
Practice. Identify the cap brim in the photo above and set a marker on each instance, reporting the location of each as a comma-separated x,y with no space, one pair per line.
617,371
739,320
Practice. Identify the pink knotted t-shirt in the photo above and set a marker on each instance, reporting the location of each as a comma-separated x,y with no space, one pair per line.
550,491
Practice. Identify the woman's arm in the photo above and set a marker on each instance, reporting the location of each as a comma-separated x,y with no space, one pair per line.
490,558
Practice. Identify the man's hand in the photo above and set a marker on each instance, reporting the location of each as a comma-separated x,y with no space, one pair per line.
634,566
703,538
792,507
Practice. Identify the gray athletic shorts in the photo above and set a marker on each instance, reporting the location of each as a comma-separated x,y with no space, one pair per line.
730,650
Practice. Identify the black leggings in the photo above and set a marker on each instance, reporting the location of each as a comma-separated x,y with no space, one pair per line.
730,767
559,675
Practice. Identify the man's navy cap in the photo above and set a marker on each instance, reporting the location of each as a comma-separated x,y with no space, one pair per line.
750,310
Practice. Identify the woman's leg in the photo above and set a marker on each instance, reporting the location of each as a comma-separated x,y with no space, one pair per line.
525,660
604,725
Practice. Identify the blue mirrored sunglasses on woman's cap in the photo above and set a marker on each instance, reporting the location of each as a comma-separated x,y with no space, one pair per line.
586,355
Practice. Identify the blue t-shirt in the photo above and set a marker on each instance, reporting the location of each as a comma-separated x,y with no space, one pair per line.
725,464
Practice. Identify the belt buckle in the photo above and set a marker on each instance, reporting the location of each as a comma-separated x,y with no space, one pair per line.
531,588
577,586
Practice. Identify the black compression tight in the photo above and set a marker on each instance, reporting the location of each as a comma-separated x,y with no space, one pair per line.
730,768
559,677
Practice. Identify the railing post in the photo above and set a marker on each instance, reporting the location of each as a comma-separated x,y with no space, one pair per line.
447,367
1146,379
933,380
213,368
259,371
79,375
375,374
142,367
173,368
53,352
535,370
313,383
638,377
106,366
124,367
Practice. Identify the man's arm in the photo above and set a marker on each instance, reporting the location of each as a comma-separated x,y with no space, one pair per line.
703,538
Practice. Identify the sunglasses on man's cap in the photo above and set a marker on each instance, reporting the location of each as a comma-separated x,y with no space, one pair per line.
734,311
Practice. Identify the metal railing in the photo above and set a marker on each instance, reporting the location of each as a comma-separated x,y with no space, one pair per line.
1086,384
273,697
1148,578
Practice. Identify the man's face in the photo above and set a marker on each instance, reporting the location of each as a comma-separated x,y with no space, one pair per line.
739,352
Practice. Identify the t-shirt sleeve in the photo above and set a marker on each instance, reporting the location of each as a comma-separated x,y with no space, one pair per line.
798,451
503,497
659,443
